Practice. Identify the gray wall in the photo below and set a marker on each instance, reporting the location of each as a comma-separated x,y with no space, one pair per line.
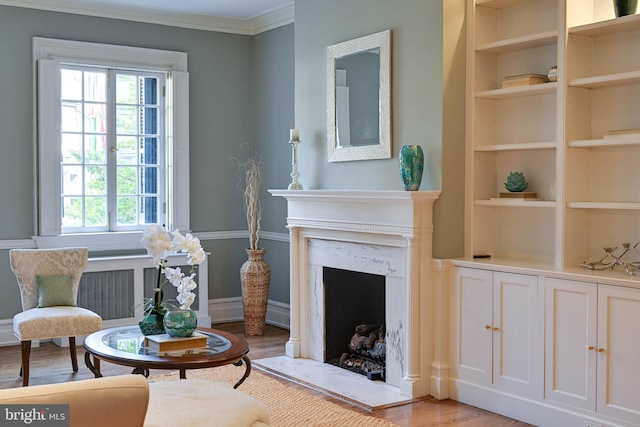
272,91
232,82
244,89
417,100
416,51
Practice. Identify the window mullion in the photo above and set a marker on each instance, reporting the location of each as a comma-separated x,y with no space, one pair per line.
112,151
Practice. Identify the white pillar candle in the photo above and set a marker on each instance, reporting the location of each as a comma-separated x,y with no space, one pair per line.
294,135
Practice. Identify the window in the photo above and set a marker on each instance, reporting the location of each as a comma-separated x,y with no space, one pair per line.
112,149
112,170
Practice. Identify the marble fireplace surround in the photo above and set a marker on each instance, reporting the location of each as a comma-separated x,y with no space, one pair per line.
379,232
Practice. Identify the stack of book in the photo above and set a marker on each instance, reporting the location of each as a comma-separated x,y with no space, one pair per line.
524,80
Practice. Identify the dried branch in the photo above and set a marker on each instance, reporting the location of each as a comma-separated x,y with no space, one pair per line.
250,172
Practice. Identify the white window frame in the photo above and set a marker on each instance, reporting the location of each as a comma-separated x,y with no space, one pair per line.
47,56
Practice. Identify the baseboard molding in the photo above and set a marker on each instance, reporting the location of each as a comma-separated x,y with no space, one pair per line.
224,310
221,311
537,412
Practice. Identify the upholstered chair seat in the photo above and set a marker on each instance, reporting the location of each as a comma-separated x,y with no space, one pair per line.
48,280
60,322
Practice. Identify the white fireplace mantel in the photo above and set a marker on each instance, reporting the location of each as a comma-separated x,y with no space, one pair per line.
364,230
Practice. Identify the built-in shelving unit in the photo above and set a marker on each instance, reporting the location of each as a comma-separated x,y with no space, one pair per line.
602,193
512,129
558,133
523,307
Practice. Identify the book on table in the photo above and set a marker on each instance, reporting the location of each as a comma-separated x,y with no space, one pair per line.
524,80
165,342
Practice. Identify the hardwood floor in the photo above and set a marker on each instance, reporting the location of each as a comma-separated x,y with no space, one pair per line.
52,364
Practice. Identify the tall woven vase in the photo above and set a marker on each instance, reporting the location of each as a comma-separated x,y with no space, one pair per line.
255,275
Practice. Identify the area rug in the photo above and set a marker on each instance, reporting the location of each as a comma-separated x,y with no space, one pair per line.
288,406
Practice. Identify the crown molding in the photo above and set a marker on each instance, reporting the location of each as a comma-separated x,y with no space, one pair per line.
251,26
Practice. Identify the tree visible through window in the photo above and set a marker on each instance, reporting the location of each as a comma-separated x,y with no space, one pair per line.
111,168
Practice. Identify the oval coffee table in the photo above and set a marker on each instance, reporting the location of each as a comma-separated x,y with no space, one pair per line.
124,345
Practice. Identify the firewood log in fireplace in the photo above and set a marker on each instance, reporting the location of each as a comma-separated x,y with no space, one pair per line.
366,351
368,341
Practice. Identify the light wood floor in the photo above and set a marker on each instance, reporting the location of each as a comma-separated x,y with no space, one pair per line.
52,364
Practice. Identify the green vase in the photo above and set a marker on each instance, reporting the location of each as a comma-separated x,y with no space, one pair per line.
180,323
625,7
152,324
411,166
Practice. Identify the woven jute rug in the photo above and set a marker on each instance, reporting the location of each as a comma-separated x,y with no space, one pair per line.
289,407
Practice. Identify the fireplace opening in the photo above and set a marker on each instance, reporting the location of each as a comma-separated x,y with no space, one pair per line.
354,321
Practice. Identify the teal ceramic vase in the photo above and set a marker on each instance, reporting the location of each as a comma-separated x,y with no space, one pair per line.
625,7
153,322
180,323
411,166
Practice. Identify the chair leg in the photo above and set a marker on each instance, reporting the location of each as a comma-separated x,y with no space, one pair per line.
24,369
74,356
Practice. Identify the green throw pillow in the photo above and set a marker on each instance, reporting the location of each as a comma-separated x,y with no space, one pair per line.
55,290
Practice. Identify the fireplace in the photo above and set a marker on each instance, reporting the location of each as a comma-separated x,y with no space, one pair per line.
381,233
354,313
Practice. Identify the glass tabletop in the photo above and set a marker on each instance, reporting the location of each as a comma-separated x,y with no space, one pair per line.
131,340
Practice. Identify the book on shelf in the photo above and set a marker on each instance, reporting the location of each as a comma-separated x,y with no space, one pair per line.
524,80
165,342
622,133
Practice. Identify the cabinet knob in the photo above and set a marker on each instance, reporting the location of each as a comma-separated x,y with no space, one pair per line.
590,348
495,328
487,327
600,349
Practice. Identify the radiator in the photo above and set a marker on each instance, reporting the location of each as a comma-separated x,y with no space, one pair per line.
114,287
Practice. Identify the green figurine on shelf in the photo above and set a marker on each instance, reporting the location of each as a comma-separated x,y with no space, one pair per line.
516,182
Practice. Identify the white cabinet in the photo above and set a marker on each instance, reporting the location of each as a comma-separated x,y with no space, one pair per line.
570,337
593,348
497,330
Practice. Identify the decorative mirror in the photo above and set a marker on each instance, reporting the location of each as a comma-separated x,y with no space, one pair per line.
359,98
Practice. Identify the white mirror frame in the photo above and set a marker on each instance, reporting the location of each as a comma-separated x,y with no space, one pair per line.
381,40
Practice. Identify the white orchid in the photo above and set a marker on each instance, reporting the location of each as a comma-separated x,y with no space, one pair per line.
160,244
157,242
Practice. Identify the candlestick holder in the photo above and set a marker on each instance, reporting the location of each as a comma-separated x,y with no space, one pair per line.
295,185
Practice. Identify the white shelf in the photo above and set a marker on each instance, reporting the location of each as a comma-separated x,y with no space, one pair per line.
498,4
518,91
610,26
606,80
551,145
605,143
605,205
517,203
547,38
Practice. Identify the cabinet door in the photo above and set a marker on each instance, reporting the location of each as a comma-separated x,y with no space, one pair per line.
570,356
517,334
618,352
472,325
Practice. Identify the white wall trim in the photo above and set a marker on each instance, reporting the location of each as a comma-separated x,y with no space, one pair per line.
251,26
221,310
122,241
